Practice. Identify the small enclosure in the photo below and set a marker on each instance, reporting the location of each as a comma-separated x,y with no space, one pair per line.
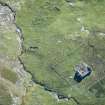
82,71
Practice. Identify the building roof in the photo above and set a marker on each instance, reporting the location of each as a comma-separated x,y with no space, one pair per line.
82,69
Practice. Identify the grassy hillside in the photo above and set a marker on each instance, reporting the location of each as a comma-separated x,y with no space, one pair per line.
59,34
57,37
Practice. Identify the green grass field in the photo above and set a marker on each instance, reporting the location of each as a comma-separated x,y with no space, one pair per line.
5,98
9,75
56,30
57,36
